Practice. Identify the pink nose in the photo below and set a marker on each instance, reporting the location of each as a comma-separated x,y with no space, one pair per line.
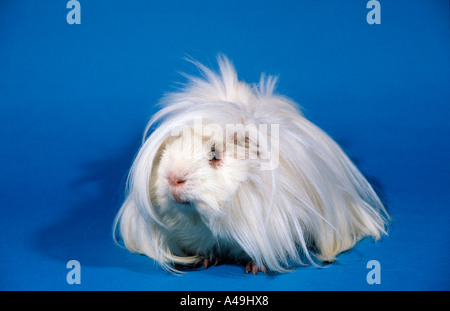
176,180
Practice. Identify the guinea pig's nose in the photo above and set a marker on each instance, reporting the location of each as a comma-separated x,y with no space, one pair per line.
176,179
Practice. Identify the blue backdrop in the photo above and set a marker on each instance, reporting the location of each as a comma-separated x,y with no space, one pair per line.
75,100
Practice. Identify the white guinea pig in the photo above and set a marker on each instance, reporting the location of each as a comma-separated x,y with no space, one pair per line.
233,171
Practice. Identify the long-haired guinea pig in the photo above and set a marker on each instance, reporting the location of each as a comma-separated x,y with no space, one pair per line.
230,171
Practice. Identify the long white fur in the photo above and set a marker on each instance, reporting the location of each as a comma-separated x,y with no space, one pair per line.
313,205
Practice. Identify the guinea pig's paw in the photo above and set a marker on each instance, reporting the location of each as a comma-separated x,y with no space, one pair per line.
251,266
206,262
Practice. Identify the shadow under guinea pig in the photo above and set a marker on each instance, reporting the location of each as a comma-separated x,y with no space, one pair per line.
85,233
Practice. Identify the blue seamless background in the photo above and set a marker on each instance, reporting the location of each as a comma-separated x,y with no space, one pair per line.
75,99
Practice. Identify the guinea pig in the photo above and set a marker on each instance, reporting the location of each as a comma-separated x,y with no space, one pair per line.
234,171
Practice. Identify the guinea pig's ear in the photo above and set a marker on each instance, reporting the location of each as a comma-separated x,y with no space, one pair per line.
245,146
241,140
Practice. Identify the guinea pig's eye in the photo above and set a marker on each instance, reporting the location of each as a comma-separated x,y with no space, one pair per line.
214,156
